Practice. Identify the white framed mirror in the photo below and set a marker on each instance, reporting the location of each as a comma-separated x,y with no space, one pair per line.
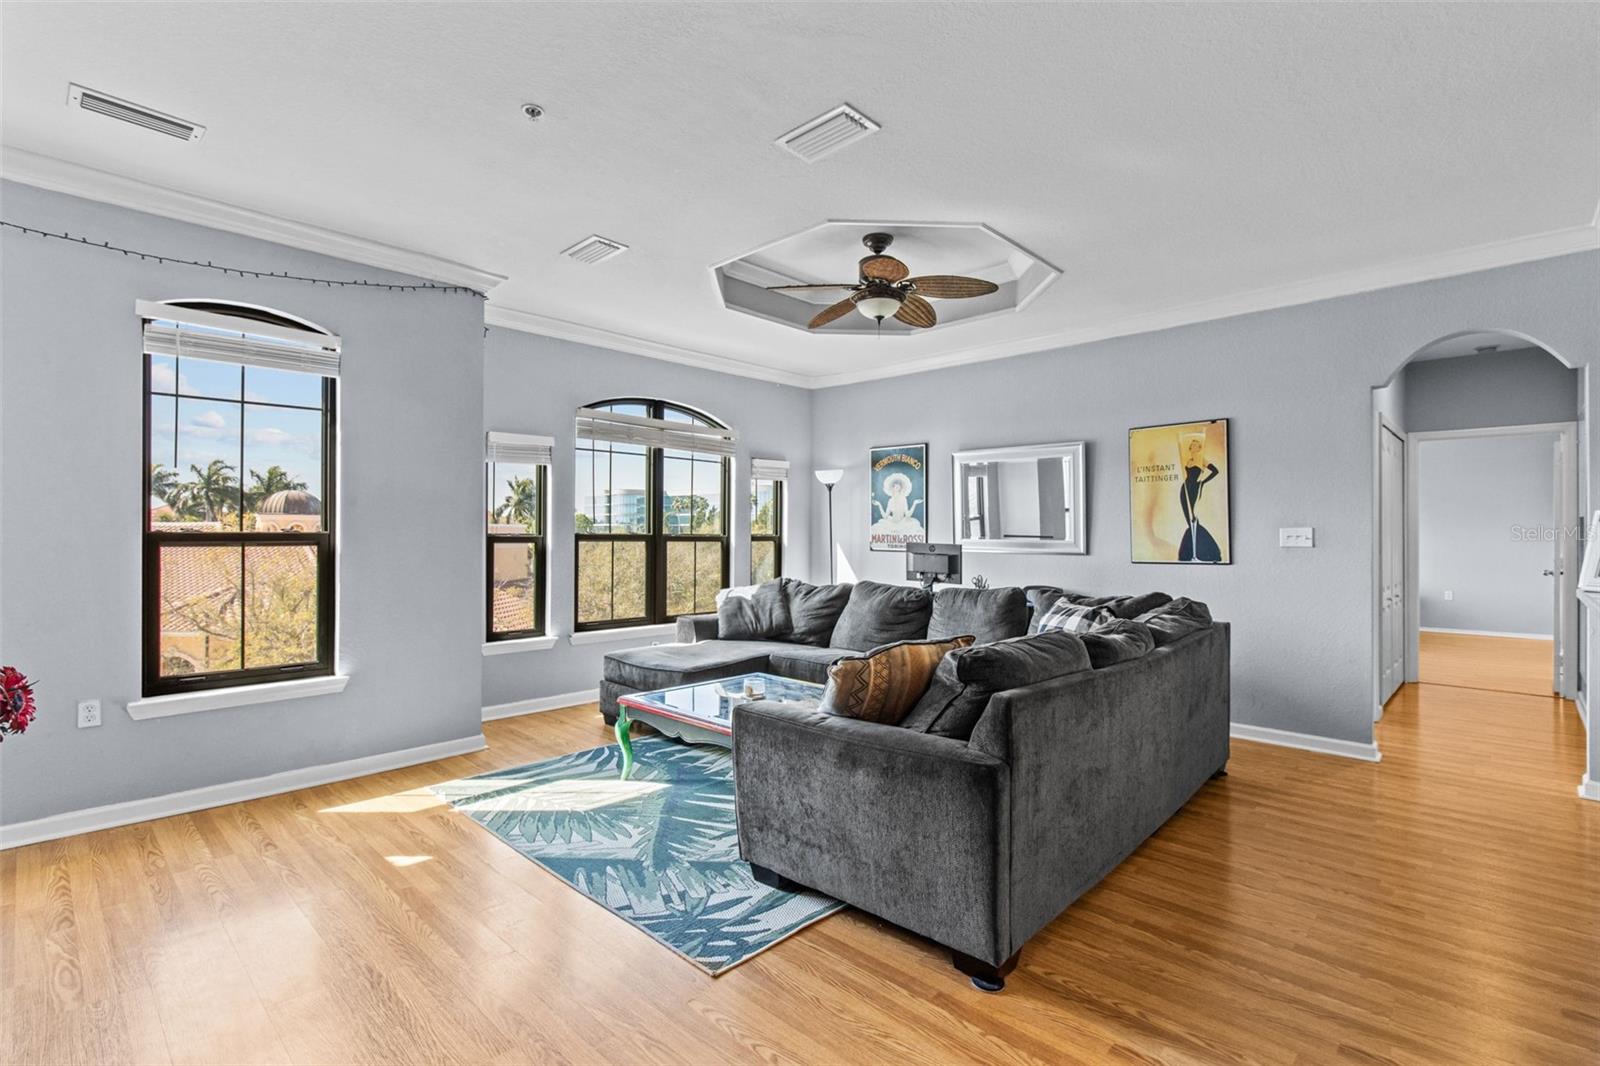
1027,499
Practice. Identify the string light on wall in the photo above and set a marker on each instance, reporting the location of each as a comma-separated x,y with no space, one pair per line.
152,257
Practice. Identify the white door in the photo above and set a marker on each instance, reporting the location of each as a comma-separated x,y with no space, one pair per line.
1392,563
1564,567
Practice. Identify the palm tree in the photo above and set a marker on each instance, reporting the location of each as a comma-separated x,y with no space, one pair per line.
164,484
521,504
212,488
276,479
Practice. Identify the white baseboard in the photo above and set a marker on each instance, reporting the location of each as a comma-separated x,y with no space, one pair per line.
1348,749
1582,703
1590,789
112,815
540,703
1487,633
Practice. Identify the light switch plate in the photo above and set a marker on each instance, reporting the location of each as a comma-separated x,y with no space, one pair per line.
1295,537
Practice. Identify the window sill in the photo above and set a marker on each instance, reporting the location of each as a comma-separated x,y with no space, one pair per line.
634,633
216,699
510,647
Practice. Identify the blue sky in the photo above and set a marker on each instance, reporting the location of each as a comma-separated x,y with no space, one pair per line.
204,425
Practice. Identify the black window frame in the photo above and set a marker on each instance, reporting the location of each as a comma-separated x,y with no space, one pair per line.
153,539
657,540
775,538
541,565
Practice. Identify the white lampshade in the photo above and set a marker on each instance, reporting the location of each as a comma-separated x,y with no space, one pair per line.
877,307
829,477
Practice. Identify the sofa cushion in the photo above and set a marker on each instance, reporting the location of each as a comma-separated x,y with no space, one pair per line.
964,680
1066,616
880,614
987,614
805,663
1042,597
813,610
757,612
1175,620
665,665
1118,641
884,684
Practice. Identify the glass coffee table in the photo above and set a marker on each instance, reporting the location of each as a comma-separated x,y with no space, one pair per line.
702,713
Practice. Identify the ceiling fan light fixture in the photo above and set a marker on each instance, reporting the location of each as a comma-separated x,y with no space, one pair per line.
878,308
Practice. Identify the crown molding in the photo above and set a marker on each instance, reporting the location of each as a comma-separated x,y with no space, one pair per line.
1331,286
545,326
58,175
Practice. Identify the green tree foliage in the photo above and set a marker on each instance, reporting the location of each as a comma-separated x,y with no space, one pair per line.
275,480
521,505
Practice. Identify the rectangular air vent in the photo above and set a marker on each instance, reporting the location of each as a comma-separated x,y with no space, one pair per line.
123,110
594,249
827,133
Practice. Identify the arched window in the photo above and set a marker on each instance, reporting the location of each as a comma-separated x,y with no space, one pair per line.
651,503
239,520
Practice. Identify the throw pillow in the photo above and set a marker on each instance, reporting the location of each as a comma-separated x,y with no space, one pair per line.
988,614
1065,616
1118,641
879,614
965,679
1176,620
756,612
883,685
813,610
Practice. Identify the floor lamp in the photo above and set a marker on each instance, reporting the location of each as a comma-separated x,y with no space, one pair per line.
829,479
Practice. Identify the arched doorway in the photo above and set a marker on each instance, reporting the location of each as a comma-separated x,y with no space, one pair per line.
1472,552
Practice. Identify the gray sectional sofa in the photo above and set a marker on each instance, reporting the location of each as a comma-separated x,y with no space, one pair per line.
977,836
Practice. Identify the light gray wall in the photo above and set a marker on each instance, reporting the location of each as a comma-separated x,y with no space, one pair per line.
535,384
410,536
1519,388
1480,504
1297,384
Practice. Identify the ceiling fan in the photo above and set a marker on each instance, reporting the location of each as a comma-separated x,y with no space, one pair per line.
887,289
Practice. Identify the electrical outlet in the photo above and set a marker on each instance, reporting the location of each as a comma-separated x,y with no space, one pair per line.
88,714
1449,594
1297,537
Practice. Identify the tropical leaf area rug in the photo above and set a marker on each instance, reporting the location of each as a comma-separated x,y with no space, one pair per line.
659,850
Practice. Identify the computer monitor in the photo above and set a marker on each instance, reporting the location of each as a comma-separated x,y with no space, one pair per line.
931,563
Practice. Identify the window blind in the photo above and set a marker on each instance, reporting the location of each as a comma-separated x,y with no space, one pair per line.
519,448
654,432
177,331
769,469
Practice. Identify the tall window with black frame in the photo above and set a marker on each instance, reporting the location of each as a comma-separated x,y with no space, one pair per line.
239,522
651,506
517,471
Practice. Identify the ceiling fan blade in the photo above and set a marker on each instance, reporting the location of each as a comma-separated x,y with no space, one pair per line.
796,288
916,311
952,286
828,314
884,268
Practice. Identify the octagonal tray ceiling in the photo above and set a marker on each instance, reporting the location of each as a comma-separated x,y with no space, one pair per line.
828,252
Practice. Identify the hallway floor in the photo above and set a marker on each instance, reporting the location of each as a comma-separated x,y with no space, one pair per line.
1502,664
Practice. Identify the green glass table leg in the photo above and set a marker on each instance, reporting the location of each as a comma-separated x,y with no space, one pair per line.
624,726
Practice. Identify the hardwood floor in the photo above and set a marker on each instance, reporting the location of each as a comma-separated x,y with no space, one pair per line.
1504,664
1440,906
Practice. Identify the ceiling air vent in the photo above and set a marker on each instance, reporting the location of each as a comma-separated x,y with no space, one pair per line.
594,249
111,107
827,133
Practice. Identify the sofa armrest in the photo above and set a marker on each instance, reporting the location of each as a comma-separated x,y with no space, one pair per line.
693,628
910,827
1099,760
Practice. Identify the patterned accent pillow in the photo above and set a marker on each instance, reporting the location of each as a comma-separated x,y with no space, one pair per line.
884,684
1064,616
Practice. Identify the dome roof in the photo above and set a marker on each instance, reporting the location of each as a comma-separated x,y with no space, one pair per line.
290,501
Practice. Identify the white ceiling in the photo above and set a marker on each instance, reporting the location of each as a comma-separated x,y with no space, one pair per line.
1176,162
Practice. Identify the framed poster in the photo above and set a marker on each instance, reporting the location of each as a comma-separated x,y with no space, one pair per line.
1178,493
899,497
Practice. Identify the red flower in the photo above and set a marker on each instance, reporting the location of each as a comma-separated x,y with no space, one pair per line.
17,708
